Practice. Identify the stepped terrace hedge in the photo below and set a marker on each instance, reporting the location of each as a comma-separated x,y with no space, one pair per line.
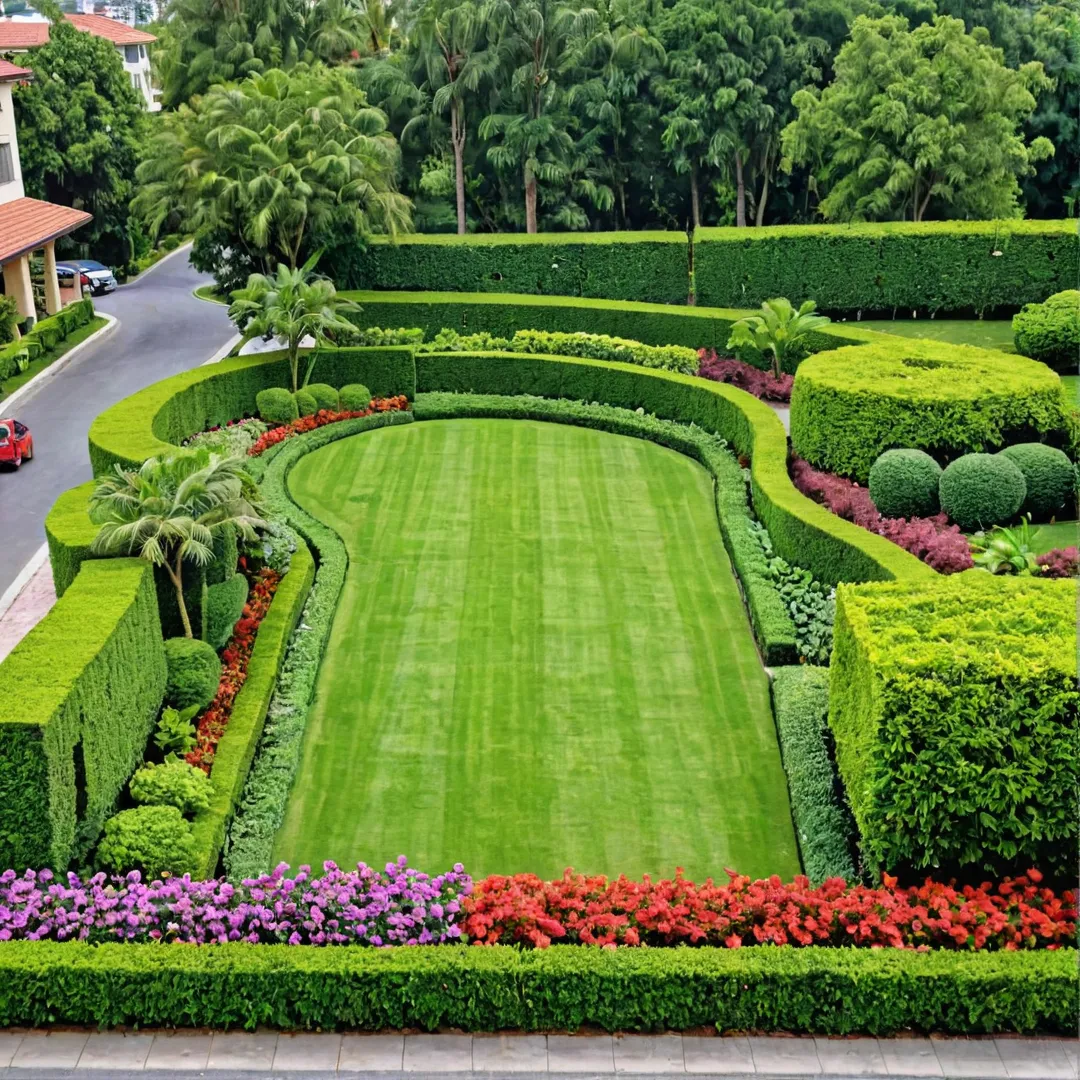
82,691
955,712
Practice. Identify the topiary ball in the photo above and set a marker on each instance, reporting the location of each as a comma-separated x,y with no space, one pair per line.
979,491
194,671
1050,331
153,839
1048,474
176,783
276,406
326,397
355,397
306,405
904,484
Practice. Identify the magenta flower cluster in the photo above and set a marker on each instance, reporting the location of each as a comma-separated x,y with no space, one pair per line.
365,906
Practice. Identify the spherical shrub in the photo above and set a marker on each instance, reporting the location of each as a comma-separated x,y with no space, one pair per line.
194,671
176,783
904,484
224,605
306,405
326,397
276,406
979,491
1050,331
153,839
355,397
1049,476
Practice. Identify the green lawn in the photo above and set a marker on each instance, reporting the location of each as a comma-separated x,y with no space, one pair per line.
540,659
50,356
1062,534
986,333
1072,386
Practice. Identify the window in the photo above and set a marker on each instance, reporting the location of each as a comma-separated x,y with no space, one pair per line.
7,165
142,52
131,54
136,81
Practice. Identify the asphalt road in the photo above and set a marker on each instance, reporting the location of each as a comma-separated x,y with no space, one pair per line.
163,329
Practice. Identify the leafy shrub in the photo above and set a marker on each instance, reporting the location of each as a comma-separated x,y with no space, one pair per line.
326,397
979,491
175,783
449,340
850,405
224,605
954,706
1050,331
904,484
276,405
193,673
778,332
9,318
376,336
355,397
1006,551
822,822
306,405
232,440
1048,475
1060,563
603,347
175,732
152,839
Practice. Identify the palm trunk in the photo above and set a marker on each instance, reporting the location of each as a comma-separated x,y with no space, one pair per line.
457,137
294,362
695,199
740,193
176,576
759,215
530,200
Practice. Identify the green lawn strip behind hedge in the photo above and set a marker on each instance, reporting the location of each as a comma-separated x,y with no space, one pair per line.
823,822
83,689
764,988
236,748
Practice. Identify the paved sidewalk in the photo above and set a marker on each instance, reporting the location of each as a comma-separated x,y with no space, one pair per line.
239,1054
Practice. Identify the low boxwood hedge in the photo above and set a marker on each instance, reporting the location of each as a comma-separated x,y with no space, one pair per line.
826,991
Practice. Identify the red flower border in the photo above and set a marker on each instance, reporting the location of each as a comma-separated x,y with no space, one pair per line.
400,403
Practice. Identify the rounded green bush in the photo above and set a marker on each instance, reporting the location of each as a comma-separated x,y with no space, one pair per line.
326,397
306,405
224,605
355,397
152,839
904,484
1050,331
194,671
979,491
276,406
176,783
1048,474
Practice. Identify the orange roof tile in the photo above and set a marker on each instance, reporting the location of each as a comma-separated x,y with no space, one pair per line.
22,34
26,224
117,32
10,73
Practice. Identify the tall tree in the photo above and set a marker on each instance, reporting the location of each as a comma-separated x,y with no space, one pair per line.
916,123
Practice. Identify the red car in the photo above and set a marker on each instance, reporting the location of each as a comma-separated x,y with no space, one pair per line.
16,443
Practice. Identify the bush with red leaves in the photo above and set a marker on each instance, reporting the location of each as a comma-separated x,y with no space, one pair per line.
322,418
762,384
934,540
576,909
1060,563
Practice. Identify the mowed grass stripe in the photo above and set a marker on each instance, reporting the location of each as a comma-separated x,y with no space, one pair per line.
540,659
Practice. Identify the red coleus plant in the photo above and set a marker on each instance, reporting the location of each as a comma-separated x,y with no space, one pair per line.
236,655
762,384
322,418
576,909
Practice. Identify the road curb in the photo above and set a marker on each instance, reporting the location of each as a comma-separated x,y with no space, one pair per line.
207,299
14,590
62,362
150,269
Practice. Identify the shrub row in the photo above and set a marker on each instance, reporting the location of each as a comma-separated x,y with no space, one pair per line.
821,990
823,823
69,742
955,712
1050,331
44,335
850,405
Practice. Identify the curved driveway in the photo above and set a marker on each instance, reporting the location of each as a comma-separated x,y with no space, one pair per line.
163,329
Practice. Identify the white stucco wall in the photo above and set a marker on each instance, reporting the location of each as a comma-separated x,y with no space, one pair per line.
140,70
13,189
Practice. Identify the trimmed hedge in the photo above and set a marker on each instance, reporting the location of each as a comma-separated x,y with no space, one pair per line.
70,532
236,748
955,712
979,491
83,689
155,420
802,531
940,266
1049,477
850,405
904,483
224,606
652,266
1050,331
822,822
43,335
826,991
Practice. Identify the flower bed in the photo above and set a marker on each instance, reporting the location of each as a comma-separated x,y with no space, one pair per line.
211,725
762,384
323,417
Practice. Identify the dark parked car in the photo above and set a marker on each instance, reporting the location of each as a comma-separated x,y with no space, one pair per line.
96,277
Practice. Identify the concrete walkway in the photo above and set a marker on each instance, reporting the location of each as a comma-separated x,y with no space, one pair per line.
239,1054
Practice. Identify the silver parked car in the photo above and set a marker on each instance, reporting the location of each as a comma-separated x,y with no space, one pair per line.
95,276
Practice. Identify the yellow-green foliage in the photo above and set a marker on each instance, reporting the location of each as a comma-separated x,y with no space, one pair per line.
81,692
1050,331
954,707
849,405
70,532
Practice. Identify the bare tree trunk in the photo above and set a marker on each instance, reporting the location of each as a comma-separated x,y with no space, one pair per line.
176,576
759,216
740,192
457,137
695,198
530,201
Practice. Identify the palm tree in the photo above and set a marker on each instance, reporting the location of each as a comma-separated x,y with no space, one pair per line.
779,332
292,305
335,31
171,509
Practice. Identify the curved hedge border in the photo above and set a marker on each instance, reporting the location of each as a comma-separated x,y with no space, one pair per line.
825,991
69,533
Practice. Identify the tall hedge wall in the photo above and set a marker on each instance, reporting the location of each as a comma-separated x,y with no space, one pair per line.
651,266
826,991
955,711
153,420
803,532
81,692
70,532
941,266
